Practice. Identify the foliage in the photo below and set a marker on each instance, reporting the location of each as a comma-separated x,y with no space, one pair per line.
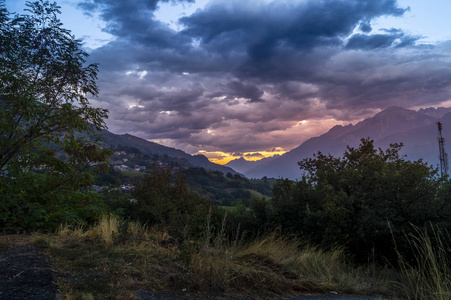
47,126
119,203
161,202
20,209
227,190
352,200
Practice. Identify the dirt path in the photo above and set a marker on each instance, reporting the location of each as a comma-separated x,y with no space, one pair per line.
25,273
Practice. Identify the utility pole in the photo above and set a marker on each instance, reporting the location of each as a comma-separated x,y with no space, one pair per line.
442,154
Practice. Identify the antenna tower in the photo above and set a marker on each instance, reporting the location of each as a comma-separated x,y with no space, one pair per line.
443,155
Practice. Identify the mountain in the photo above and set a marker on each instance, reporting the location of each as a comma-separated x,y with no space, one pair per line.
437,113
415,129
114,140
422,142
242,165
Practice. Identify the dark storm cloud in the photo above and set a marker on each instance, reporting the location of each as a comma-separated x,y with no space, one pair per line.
237,89
374,41
262,28
134,20
242,74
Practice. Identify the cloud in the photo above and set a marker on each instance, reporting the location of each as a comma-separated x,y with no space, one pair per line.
374,41
241,75
237,89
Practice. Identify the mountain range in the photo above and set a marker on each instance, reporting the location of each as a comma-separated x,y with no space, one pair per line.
417,130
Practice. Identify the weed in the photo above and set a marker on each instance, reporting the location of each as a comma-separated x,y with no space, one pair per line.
43,242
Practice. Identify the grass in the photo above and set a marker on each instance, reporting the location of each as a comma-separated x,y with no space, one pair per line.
231,209
114,259
429,275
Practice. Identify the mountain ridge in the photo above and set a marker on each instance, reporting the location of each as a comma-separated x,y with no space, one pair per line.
392,125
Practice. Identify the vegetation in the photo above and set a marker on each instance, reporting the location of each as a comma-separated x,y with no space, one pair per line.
428,275
174,207
354,201
125,257
227,190
45,163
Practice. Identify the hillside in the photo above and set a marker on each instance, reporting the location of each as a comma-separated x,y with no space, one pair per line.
129,166
171,154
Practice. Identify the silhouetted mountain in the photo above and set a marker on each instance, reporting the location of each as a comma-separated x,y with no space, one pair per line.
242,165
416,130
437,113
422,142
114,140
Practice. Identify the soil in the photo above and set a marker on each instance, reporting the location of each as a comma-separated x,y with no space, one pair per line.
25,273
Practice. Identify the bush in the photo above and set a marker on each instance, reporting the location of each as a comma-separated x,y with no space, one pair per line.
161,202
352,201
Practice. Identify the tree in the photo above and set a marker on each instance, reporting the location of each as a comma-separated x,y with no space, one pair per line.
47,126
361,200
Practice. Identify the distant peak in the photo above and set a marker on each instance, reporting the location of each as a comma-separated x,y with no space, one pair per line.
241,159
435,112
394,111
339,130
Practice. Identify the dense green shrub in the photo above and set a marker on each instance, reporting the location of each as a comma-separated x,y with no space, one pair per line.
28,205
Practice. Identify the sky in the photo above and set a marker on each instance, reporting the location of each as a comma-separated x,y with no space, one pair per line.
254,78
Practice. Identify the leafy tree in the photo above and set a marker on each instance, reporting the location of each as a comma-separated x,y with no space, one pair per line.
47,126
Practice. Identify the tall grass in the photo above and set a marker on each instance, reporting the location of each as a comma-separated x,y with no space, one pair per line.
429,275
310,265
218,263
282,265
105,230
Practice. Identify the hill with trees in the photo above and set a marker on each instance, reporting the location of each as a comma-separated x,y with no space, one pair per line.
172,156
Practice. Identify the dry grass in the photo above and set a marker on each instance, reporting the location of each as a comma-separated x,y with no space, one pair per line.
105,230
114,259
429,276
279,264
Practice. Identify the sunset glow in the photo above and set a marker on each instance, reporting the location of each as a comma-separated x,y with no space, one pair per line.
223,158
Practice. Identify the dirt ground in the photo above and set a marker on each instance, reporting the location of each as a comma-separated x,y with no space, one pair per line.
25,273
